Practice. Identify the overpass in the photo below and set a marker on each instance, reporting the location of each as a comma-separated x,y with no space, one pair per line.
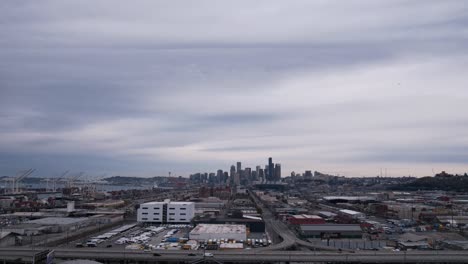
117,256
289,239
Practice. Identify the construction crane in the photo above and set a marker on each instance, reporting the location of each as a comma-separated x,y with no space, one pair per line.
18,179
55,181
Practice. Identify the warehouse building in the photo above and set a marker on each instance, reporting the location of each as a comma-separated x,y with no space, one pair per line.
349,199
335,231
7,239
166,212
254,224
206,232
326,215
351,214
304,219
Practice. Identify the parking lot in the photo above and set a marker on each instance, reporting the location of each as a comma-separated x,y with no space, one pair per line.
163,237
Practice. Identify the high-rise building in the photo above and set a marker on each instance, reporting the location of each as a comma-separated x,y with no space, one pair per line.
219,176
232,174
308,174
211,177
277,172
248,174
226,177
237,178
254,176
271,169
239,167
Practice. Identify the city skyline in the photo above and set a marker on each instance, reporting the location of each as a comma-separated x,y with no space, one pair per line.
238,176
184,87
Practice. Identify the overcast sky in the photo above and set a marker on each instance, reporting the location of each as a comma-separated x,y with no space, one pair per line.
147,87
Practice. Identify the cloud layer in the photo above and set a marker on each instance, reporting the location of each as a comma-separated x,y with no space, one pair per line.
143,88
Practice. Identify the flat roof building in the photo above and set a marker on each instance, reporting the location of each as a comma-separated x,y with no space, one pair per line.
166,212
218,231
304,219
330,231
352,214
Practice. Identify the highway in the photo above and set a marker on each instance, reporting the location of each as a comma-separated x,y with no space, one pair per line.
289,238
247,257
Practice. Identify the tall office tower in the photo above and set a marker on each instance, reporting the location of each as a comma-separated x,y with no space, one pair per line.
232,173
271,169
257,169
211,177
239,167
226,177
261,175
254,175
248,174
219,176
265,172
277,172
308,174
237,178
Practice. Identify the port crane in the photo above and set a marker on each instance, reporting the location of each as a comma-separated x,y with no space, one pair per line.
56,180
17,180
72,179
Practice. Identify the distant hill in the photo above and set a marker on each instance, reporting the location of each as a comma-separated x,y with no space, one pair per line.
442,181
131,180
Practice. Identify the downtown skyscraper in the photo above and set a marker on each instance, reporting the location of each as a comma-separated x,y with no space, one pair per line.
271,170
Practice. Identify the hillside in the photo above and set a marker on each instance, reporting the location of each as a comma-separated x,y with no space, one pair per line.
441,181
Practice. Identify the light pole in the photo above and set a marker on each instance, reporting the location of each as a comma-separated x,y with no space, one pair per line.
204,253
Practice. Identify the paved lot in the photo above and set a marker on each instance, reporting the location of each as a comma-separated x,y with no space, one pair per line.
154,240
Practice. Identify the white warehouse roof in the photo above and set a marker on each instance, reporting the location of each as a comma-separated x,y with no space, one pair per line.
350,212
219,229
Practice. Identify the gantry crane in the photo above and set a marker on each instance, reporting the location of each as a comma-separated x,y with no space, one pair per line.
18,179
72,179
55,181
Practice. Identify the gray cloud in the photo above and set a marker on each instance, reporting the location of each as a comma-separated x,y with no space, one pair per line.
148,87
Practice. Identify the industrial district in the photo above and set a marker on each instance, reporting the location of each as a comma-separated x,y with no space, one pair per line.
244,215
